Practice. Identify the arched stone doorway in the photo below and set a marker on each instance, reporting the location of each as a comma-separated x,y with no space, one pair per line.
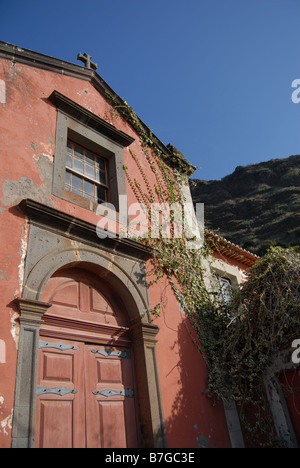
87,396
118,263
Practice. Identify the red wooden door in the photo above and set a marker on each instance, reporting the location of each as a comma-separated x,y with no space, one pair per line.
110,398
85,393
59,412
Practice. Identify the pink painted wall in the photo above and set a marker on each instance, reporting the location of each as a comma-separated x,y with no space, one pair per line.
27,141
191,420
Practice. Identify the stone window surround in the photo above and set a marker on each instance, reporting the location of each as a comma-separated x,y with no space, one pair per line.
78,124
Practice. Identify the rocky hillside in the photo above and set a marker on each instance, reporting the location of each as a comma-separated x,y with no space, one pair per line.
256,205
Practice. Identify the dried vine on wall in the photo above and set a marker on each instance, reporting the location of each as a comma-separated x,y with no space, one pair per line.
238,338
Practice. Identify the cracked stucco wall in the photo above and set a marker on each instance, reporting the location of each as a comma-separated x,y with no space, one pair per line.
23,252
2,353
15,190
14,241
5,423
2,92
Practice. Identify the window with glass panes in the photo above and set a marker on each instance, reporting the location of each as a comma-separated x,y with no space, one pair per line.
222,287
86,173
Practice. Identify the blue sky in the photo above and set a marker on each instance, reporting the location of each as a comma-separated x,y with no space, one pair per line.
212,77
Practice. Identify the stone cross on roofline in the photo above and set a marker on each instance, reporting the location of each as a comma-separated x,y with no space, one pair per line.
86,59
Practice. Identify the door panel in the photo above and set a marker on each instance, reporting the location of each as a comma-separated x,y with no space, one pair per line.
57,424
111,424
57,367
60,418
108,421
79,295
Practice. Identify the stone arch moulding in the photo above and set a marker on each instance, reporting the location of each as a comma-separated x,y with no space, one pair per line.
57,240
136,300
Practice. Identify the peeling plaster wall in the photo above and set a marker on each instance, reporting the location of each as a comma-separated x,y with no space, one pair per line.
15,190
6,424
23,251
14,329
2,353
27,141
2,92
26,171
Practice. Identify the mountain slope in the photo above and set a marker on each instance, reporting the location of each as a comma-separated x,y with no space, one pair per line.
256,205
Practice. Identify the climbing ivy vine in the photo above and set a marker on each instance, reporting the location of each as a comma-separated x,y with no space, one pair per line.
238,338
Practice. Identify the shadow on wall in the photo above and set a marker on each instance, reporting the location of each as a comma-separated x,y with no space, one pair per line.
194,422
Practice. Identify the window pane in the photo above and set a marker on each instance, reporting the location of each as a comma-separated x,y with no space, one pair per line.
89,171
69,161
222,287
74,190
88,187
100,163
78,152
89,157
76,182
226,289
89,197
101,193
86,173
68,178
78,165
100,177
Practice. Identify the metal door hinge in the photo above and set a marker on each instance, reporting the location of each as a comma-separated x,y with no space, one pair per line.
107,392
55,390
62,346
125,354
